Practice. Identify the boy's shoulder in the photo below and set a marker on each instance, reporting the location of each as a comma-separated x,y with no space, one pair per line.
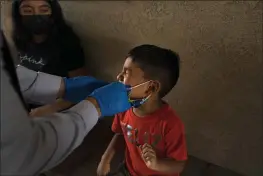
169,117
123,114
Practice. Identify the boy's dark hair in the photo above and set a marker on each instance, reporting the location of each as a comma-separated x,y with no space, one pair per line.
61,31
158,64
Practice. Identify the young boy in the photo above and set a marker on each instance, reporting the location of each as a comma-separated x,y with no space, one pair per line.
151,131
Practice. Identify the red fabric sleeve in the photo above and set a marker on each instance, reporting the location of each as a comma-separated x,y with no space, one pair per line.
116,125
175,141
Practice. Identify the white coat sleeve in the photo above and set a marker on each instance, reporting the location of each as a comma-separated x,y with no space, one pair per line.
30,146
38,87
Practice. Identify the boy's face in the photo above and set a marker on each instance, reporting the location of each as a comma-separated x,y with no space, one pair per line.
132,75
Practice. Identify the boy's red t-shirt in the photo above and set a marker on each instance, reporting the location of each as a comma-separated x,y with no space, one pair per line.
162,129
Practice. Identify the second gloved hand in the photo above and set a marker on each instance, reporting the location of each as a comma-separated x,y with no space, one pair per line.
78,88
112,98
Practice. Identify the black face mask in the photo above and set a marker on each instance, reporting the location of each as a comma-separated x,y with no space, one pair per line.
37,24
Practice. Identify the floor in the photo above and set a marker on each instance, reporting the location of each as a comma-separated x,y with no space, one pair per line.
84,160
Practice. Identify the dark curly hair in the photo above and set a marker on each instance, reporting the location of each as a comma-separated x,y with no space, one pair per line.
61,31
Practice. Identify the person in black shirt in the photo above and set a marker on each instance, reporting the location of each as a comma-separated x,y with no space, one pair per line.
43,39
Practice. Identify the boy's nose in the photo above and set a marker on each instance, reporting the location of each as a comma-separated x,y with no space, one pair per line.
120,77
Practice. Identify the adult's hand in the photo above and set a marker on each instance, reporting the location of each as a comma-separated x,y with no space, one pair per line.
79,88
44,88
112,98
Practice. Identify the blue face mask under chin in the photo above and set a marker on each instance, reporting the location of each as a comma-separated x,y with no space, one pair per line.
138,102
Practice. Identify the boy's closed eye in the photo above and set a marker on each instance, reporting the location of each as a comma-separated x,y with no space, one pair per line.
127,71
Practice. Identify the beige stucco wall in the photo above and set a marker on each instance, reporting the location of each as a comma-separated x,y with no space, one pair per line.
219,95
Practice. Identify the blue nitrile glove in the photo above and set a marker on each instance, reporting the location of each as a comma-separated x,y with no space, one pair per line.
78,88
112,98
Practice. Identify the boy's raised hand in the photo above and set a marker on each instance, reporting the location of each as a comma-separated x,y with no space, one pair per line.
149,156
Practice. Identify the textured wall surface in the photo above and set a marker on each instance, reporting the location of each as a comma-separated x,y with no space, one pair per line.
219,95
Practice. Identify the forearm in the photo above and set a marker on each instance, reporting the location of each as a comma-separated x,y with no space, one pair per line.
58,106
169,166
40,88
61,105
70,128
117,144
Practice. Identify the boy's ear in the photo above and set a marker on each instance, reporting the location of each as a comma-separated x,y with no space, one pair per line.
154,87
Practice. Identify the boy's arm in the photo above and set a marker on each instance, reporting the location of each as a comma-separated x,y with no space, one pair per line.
117,144
58,106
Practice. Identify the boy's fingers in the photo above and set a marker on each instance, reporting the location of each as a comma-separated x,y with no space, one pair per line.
144,159
148,151
147,148
146,145
148,155
140,147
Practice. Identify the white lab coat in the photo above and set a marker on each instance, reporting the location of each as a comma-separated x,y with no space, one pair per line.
30,146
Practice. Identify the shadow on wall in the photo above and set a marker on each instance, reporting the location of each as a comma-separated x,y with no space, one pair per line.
110,50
